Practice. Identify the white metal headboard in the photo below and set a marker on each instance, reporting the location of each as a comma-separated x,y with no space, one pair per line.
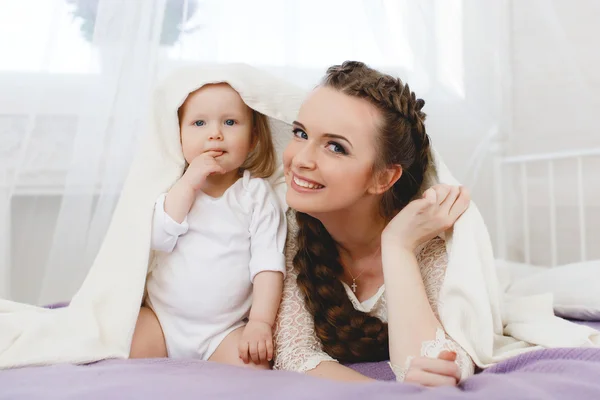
522,163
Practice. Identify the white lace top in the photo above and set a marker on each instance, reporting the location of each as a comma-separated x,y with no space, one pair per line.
297,347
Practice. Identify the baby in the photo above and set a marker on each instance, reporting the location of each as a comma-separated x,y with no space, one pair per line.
220,231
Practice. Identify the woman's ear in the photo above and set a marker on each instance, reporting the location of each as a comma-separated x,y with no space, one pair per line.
385,179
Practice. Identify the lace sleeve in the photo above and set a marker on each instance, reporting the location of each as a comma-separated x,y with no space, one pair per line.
297,347
433,260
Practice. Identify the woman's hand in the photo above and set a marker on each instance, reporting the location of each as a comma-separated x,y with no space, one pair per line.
441,371
423,219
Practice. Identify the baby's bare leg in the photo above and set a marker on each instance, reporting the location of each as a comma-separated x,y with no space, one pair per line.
148,338
228,353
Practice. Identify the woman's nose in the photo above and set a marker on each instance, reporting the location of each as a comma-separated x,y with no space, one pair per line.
305,158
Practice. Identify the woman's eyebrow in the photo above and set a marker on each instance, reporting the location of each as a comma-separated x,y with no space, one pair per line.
328,135
339,137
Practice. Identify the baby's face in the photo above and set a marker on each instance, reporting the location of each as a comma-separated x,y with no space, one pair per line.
214,117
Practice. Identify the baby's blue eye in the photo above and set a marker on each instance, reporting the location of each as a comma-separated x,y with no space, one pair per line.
200,123
229,122
299,133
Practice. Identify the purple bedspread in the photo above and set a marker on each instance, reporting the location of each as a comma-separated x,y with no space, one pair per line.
545,374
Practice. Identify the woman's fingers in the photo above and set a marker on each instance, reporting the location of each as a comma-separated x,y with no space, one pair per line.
453,201
460,204
422,205
447,355
429,379
450,199
442,192
444,365
429,196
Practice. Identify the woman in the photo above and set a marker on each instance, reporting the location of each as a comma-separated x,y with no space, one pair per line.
365,263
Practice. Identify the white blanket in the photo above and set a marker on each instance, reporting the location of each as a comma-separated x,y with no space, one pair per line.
99,322
100,319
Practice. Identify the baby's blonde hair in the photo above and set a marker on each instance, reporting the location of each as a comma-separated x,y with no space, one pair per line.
261,159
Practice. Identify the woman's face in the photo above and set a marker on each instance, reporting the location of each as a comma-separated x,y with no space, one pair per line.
329,161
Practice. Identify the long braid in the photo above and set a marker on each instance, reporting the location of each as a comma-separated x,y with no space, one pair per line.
347,334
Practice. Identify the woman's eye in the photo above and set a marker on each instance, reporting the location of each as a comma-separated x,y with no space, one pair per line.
199,123
230,122
300,134
336,148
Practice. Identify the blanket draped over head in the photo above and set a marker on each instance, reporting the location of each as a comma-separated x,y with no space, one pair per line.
100,319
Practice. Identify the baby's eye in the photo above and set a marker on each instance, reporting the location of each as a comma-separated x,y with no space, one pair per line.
230,122
300,134
199,123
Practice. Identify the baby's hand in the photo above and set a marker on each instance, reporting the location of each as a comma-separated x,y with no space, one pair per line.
201,167
256,343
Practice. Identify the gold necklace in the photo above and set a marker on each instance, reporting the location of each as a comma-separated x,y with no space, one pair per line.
354,285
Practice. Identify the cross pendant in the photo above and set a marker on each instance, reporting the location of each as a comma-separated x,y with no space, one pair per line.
354,285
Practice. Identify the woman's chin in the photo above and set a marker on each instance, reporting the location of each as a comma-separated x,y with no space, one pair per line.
311,205
301,202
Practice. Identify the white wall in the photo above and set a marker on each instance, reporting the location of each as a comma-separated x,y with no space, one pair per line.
531,68
555,63
556,75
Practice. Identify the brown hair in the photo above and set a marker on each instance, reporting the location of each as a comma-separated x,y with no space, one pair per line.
347,334
261,159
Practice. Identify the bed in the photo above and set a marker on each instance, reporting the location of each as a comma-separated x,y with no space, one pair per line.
543,374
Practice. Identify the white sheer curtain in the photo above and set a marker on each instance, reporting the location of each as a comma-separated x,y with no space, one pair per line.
76,75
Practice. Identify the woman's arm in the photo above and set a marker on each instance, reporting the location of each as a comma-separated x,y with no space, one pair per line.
337,372
412,288
297,347
411,320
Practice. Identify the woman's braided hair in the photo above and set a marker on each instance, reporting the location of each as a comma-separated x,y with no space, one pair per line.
347,334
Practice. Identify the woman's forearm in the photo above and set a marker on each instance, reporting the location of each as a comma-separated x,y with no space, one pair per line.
338,372
411,320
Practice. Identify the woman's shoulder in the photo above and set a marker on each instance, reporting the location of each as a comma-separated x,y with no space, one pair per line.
291,219
291,241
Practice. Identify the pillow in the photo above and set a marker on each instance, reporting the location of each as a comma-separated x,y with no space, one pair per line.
510,271
575,287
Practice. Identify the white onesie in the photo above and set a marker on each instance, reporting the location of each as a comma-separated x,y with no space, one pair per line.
201,286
